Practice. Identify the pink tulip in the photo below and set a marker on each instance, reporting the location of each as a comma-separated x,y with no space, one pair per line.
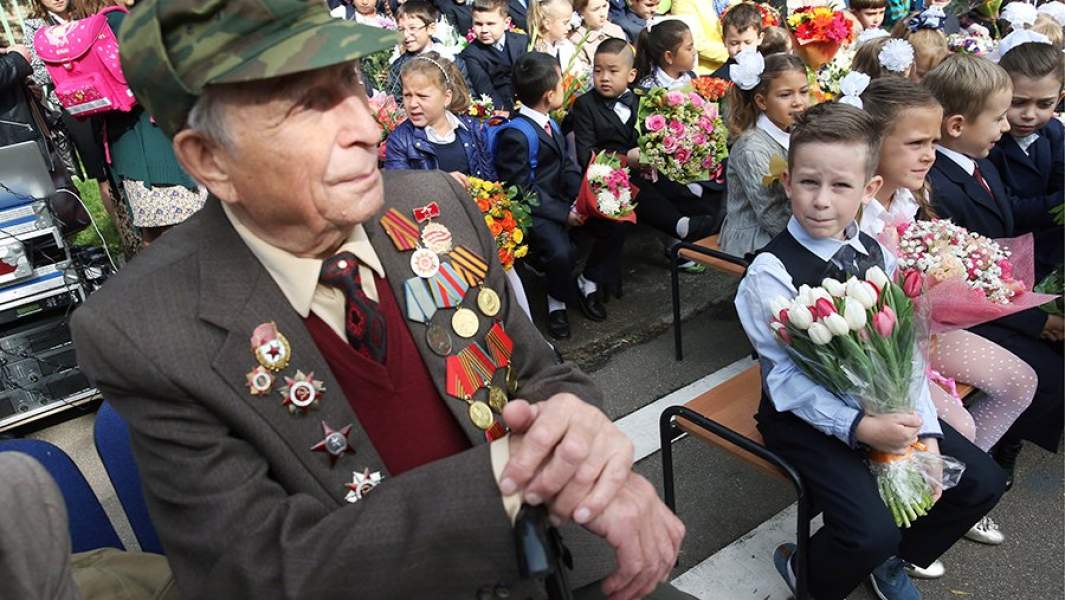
655,123
783,316
884,321
911,283
674,98
823,308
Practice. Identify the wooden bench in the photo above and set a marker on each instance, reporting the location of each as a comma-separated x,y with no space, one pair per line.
705,251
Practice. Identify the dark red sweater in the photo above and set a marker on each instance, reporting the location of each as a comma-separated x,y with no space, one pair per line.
397,404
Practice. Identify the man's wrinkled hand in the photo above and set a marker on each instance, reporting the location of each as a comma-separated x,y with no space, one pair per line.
566,453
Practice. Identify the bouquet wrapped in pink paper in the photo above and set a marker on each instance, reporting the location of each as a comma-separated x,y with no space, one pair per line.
606,191
967,279
682,136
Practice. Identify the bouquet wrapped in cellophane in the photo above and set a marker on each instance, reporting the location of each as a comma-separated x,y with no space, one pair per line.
861,339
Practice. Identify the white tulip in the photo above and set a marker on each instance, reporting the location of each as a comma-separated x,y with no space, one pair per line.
800,316
803,296
862,292
836,324
778,304
819,292
820,334
834,287
854,314
877,275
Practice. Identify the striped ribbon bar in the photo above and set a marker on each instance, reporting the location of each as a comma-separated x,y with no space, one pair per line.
469,264
401,230
448,287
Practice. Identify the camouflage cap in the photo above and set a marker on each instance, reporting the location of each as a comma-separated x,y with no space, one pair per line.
172,49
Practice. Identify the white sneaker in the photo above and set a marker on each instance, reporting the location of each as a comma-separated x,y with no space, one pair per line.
932,571
986,532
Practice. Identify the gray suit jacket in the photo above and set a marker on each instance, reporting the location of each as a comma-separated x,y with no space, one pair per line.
242,506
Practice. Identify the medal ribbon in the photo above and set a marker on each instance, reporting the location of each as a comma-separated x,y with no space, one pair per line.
500,345
429,211
459,381
420,305
471,266
447,287
477,359
403,233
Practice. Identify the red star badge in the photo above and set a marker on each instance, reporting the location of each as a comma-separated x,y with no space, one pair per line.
334,443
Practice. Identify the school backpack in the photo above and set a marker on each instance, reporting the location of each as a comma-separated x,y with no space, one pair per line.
498,124
82,59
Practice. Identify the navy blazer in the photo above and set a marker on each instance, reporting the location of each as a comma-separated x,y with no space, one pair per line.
557,177
518,12
409,148
1040,171
460,15
490,70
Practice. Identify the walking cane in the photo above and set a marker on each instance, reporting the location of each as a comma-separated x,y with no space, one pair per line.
541,554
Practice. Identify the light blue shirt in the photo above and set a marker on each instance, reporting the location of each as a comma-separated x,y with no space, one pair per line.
789,388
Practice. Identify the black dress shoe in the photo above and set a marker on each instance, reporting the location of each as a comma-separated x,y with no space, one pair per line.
699,227
1005,454
592,305
558,324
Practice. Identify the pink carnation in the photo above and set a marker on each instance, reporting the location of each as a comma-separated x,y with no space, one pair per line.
674,98
655,123
676,127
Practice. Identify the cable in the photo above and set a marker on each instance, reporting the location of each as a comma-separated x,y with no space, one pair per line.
99,234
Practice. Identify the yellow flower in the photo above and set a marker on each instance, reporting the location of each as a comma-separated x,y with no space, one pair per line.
777,166
521,252
518,236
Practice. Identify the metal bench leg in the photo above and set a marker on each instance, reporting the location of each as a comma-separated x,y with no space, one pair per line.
667,428
674,280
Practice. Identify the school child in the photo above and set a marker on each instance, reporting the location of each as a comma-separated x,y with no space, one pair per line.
416,22
775,40
1031,158
459,13
604,119
517,10
595,28
491,56
742,28
910,117
556,181
635,17
924,32
884,56
869,13
966,187
551,22
831,162
1046,25
767,95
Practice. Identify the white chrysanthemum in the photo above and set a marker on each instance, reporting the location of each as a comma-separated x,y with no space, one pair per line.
599,171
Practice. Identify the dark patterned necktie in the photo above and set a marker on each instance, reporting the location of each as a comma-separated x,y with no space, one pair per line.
363,323
846,258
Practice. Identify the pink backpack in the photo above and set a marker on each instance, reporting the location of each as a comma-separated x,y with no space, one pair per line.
82,59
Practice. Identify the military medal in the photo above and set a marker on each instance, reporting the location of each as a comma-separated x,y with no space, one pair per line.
438,340
434,236
481,415
501,347
488,301
400,229
425,263
420,305
469,265
362,484
497,398
260,380
271,349
474,358
460,382
464,323
302,392
335,443
447,287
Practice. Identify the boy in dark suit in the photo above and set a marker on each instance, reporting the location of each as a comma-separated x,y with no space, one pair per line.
741,29
491,57
518,11
634,18
604,119
459,13
1031,159
976,94
538,83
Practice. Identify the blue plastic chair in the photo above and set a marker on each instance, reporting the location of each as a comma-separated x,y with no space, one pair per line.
89,526
112,443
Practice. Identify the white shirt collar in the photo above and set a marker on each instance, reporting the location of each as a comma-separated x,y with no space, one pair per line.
664,80
538,117
436,138
1026,141
779,135
875,217
967,164
826,248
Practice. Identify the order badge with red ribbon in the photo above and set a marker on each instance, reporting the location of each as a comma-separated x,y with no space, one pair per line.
434,236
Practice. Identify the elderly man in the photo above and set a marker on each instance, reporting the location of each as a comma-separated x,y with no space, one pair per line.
313,366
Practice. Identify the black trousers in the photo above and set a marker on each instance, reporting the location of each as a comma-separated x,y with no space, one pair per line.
662,203
557,254
859,532
1043,421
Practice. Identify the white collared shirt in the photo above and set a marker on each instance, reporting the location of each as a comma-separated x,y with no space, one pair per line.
298,277
445,138
538,117
663,79
967,164
779,135
621,109
502,43
875,217
1026,141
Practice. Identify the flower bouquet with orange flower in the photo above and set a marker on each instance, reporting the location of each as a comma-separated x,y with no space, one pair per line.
573,85
712,89
818,31
508,215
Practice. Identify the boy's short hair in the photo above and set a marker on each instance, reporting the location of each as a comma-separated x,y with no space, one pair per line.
1035,61
1046,25
535,74
616,46
418,9
490,5
742,17
963,83
836,123
775,40
856,5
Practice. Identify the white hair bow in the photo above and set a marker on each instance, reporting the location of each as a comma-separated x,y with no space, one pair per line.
1020,15
852,86
896,56
1055,10
1016,38
747,71
868,35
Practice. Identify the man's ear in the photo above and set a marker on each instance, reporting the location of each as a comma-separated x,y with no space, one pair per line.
205,161
953,125
871,188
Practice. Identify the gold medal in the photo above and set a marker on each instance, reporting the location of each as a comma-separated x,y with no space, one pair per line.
481,415
488,302
497,398
464,322
512,380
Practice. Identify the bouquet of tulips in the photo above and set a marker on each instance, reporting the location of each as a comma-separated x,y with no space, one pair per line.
682,135
508,215
859,339
606,191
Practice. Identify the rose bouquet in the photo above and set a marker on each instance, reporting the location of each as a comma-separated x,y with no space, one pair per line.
682,135
860,339
968,279
606,191
482,108
712,89
819,31
508,215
